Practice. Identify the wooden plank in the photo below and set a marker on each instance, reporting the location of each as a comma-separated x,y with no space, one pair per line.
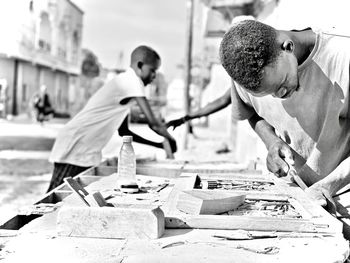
54,197
242,222
111,222
219,167
198,202
176,245
159,172
186,182
313,219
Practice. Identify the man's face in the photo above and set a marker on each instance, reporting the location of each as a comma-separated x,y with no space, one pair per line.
280,79
148,71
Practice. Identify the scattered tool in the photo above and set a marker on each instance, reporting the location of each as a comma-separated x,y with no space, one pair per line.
296,178
241,234
94,199
272,250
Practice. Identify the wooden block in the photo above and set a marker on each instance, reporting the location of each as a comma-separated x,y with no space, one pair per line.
199,202
133,221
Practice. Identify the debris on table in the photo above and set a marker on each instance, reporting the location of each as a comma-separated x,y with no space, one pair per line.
244,185
39,209
280,209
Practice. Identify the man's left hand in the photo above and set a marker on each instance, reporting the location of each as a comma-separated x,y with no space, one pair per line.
322,196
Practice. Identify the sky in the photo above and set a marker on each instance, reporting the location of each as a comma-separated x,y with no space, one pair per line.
112,27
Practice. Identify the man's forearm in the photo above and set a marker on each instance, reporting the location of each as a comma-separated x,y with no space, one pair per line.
211,107
139,139
337,179
161,130
264,130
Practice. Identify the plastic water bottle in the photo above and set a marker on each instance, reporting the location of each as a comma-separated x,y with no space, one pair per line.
127,167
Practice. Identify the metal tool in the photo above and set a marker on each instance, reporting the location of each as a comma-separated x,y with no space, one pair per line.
94,199
296,178
78,189
292,173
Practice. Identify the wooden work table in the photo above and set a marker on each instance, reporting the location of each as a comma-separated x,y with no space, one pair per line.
38,241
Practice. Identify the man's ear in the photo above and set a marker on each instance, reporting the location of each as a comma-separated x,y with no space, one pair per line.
139,64
288,45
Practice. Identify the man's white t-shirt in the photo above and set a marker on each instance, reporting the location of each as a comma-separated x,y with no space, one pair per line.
315,121
82,139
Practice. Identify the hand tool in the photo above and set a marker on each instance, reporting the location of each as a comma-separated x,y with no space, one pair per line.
95,199
296,178
294,175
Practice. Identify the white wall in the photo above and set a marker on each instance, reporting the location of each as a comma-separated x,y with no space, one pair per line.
330,15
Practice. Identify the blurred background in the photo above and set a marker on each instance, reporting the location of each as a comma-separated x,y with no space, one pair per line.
73,46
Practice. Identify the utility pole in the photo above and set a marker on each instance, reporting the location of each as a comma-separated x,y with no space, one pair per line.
188,66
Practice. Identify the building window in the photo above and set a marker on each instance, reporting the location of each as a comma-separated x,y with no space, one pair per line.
31,6
62,41
24,92
44,46
44,42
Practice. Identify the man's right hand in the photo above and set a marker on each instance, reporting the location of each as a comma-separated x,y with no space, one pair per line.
279,157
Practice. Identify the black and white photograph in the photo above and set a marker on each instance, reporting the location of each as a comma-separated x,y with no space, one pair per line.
175,131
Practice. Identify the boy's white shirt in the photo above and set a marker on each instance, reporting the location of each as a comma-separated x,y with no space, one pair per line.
82,139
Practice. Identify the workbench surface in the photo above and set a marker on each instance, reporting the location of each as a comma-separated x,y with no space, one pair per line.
38,241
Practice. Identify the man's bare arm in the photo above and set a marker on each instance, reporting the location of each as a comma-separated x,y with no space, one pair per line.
156,125
208,109
280,154
124,130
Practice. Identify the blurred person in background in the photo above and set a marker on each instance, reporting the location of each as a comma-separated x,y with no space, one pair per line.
79,144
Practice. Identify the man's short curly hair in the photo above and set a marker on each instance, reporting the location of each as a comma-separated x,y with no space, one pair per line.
247,47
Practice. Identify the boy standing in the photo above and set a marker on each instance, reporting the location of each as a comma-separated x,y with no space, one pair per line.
79,144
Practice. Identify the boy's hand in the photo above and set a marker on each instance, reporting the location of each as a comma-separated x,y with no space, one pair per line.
279,158
322,197
175,123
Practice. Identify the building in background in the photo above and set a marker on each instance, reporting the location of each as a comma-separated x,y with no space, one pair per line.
40,44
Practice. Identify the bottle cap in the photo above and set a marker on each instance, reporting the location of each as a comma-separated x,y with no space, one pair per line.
127,138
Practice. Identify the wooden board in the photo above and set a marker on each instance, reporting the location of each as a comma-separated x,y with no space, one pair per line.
176,245
197,202
309,216
111,222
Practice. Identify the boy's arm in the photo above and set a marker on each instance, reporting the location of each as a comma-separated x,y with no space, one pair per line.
124,130
278,150
155,124
324,189
208,109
